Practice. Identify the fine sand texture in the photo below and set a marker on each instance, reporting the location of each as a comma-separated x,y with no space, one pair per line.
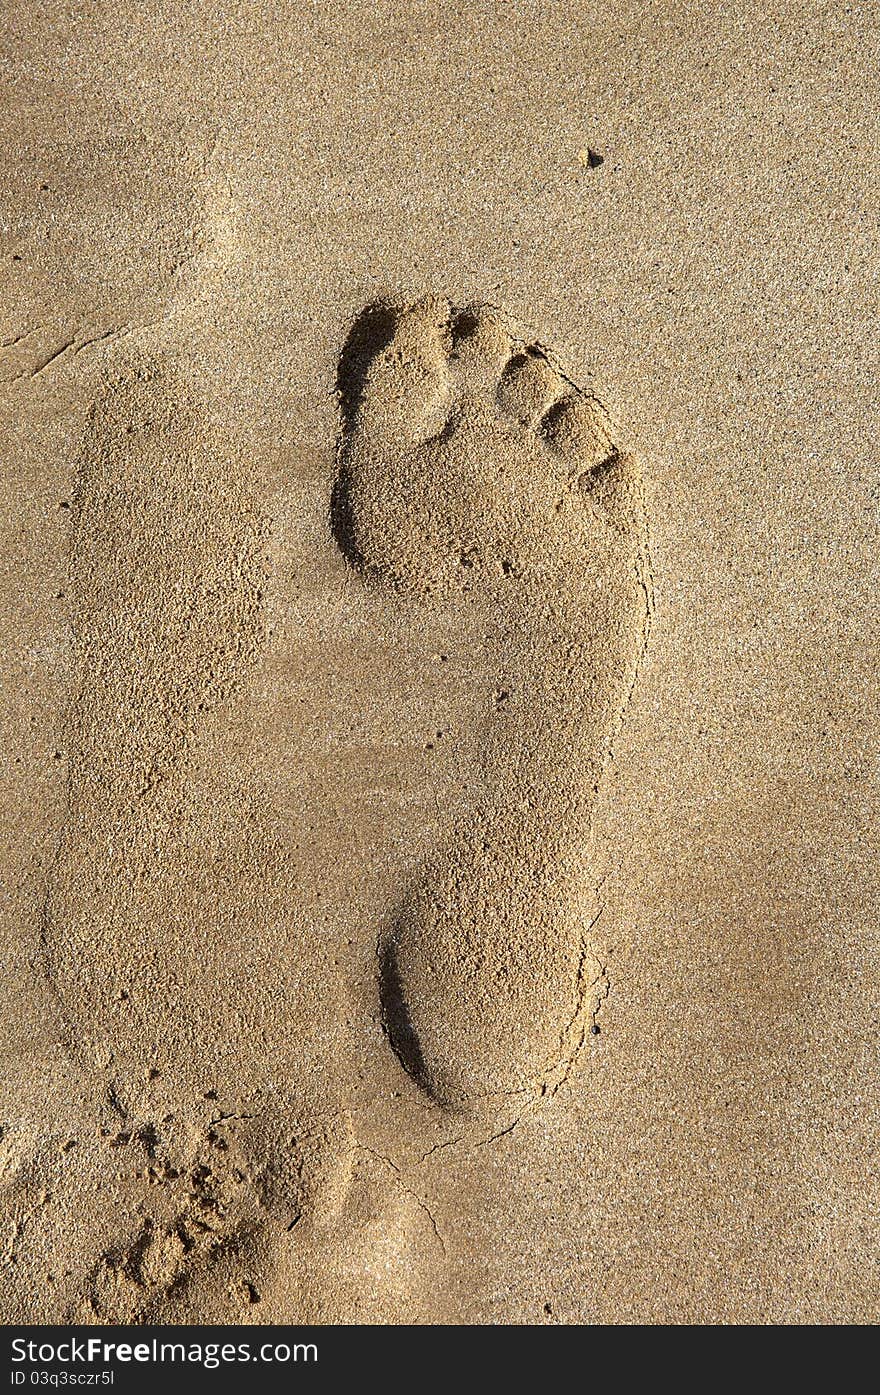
441,510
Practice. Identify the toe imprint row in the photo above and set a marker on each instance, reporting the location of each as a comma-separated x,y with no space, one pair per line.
459,441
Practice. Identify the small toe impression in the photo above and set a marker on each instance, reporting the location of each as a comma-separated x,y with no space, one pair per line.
528,386
615,487
578,429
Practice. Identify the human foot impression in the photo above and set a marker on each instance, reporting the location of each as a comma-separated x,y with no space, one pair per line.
473,474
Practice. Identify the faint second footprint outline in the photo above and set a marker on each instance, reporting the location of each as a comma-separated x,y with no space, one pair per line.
164,591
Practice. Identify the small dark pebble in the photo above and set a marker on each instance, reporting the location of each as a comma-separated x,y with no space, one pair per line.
594,159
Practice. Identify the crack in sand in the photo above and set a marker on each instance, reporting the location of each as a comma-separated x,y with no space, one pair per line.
49,357
401,1182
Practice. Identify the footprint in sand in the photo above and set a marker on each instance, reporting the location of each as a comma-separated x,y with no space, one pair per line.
474,476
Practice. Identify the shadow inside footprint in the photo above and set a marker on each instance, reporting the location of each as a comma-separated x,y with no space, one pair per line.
342,521
401,1033
371,332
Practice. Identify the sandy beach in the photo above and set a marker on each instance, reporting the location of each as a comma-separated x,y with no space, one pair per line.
439,803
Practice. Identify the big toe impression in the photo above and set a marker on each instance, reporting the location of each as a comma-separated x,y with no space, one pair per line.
406,385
